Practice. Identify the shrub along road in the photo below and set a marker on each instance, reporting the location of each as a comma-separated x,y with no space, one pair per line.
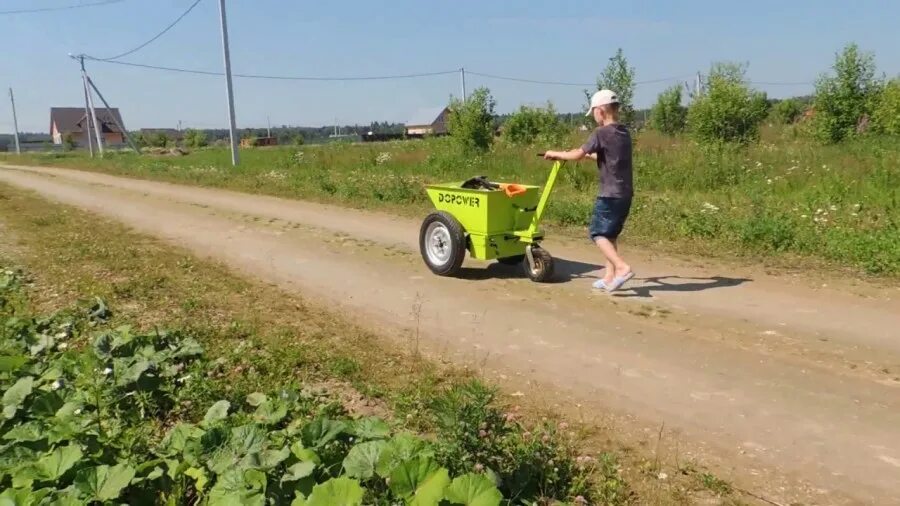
772,373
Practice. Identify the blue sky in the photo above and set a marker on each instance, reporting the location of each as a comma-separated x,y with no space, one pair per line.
566,40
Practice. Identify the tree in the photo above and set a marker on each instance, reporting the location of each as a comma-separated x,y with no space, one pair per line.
195,138
529,125
728,111
787,111
668,115
886,113
471,121
619,77
843,99
68,142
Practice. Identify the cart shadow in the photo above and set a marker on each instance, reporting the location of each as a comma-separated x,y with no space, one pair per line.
565,271
663,284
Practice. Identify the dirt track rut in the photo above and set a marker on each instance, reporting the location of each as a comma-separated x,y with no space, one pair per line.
794,386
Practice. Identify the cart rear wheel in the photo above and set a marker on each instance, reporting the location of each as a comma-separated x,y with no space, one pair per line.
442,243
543,265
515,260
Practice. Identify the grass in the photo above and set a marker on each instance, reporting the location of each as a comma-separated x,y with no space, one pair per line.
257,338
784,198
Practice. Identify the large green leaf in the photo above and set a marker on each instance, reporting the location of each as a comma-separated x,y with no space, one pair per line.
132,372
239,488
270,412
305,454
201,479
216,412
401,448
46,404
267,459
104,483
298,471
10,363
22,496
363,458
27,432
321,431
178,438
52,466
473,490
243,443
421,479
16,395
336,492
256,398
369,428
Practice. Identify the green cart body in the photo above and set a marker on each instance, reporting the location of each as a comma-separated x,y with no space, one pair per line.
491,224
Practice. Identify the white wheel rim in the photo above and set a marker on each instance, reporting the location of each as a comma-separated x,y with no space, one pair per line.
438,245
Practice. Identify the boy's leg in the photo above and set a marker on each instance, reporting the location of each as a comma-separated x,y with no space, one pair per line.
609,249
609,270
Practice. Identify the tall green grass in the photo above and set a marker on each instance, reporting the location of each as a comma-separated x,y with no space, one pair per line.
785,195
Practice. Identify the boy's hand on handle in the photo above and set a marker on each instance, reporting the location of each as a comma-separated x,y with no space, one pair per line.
549,155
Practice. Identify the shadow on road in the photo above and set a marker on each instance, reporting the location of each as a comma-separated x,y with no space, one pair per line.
680,284
565,271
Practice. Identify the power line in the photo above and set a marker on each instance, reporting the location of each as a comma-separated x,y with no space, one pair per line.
563,83
770,83
158,35
62,7
271,77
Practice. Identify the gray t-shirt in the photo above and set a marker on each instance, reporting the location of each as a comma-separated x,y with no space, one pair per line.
612,144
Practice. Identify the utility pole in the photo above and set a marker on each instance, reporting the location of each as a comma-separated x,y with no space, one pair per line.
12,99
87,108
268,127
462,82
93,116
232,126
113,117
179,125
699,86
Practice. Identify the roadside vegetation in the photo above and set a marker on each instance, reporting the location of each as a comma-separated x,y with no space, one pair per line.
725,173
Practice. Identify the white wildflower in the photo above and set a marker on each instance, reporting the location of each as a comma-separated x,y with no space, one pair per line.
768,181
709,208
382,158
183,378
77,412
107,371
56,385
61,335
833,208
662,476
62,346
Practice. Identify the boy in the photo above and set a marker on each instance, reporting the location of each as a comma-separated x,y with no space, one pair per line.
610,145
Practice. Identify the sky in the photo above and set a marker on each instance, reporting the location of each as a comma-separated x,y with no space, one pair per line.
550,40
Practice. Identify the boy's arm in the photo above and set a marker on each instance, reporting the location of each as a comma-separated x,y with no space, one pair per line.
571,155
589,150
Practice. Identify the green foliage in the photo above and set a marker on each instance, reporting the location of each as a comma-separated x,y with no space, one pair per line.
68,142
886,113
668,115
80,425
195,139
844,98
471,121
787,111
534,125
618,76
728,111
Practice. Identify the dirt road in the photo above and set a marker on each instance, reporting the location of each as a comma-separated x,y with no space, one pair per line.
793,385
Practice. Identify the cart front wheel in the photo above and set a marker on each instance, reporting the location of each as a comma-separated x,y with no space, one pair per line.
542,271
442,243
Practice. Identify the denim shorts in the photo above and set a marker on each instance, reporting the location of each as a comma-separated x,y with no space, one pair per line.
609,217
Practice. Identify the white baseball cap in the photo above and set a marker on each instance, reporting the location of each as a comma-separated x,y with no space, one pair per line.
602,97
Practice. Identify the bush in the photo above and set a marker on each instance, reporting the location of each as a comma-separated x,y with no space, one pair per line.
668,115
530,125
886,113
472,121
619,77
68,142
842,100
787,111
195,139
728,111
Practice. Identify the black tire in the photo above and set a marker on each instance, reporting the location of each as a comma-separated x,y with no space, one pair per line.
513,261
543,266
442,243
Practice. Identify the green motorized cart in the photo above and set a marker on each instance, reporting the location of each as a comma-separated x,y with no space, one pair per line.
490,221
